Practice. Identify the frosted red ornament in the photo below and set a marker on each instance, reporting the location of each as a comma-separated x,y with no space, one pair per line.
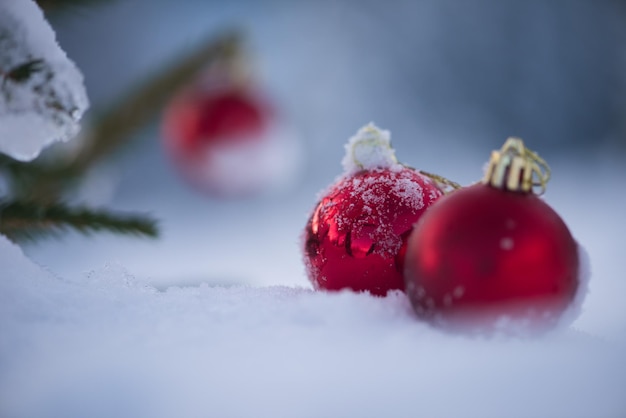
356,235
494,253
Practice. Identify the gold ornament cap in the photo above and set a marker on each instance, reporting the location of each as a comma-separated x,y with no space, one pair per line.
516,168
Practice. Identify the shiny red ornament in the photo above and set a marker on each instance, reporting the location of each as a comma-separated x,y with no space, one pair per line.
484,255
356,235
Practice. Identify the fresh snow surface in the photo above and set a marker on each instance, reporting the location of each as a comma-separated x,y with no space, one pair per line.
110,345
47,106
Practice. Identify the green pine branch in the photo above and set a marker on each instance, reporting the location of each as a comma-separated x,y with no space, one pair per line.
28,221
24,71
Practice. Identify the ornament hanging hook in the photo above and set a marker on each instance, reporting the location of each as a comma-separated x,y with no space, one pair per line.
539,167
516,168
444,183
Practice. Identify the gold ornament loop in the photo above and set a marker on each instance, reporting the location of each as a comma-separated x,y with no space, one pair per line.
445,184
516,168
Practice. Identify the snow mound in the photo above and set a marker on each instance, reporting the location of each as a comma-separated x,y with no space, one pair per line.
42,96
108,345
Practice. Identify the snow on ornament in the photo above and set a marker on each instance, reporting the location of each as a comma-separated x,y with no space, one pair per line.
226,139
494,256
356,235
42,96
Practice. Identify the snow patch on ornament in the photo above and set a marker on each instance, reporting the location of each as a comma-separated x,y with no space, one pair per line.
375,228
370,148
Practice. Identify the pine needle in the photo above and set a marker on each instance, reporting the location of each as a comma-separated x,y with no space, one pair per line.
29,221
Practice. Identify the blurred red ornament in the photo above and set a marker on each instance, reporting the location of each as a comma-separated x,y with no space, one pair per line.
494,252
198,118
356,236
217,138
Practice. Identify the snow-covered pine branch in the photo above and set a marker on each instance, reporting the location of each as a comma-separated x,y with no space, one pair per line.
42,96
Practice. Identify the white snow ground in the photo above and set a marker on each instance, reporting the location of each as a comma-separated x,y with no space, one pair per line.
111,346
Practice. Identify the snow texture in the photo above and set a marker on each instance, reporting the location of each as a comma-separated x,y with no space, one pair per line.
370,148
42,96
111,345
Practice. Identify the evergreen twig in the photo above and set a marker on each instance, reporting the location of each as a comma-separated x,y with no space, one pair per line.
28,221
23,71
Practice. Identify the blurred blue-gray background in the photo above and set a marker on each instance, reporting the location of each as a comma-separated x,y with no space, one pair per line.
551,72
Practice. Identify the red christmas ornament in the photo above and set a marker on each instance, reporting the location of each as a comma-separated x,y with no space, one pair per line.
356,236
224,115
494,252
219,138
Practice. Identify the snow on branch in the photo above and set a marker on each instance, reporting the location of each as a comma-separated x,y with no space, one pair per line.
42,96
